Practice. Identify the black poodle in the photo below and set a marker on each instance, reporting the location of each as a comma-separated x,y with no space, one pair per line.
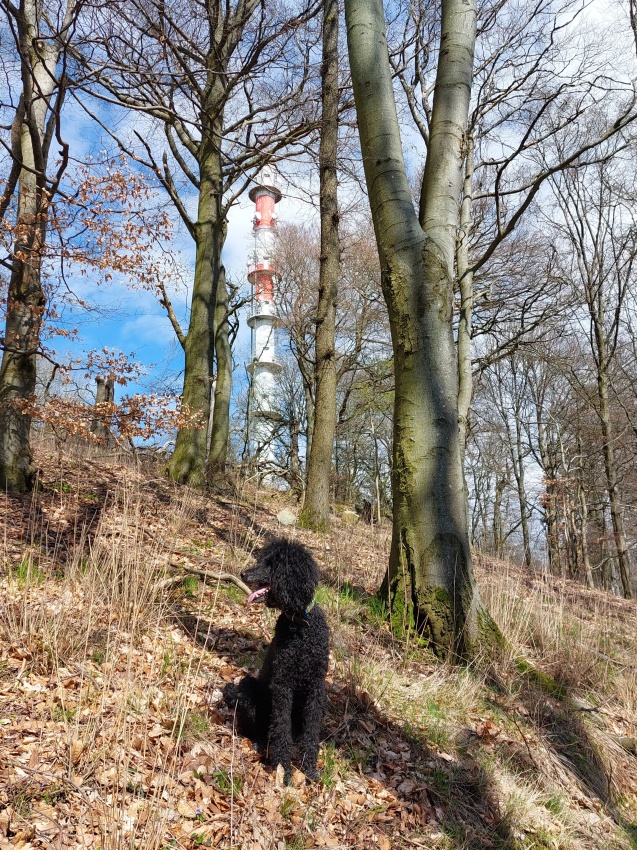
285,703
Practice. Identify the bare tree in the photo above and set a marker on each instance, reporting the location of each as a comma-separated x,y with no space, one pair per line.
40,33
316,510
600,230
298,266
430,581
226,84
535,87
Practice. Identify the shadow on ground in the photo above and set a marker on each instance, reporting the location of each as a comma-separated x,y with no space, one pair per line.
40,519
452,794
437,792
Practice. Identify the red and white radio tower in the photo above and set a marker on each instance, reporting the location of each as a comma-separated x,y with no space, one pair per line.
263,319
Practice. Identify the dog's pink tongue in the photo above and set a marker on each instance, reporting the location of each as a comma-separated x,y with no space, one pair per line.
257,594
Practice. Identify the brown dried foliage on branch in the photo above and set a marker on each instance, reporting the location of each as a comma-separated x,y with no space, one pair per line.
106,226
137,417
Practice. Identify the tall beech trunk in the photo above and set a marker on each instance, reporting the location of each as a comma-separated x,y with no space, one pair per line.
520,480
501,481
586,560
610,467
25,308
550,470
511,397
583,521
603,350
104,395
607,564
465,284
429,581
31,138
188,462
295,479
220,436
316,509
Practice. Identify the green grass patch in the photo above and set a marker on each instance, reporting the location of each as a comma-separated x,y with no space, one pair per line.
324,596
329,770
288,807
54,794
98,656
226,783
630,831
60,714
234,593
190,586
195,727
62,487
555,805
540,680
304,521
27,573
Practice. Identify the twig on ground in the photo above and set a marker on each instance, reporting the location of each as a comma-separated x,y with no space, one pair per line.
168,582
223,576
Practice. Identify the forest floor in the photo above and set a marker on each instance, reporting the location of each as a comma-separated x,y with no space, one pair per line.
113,656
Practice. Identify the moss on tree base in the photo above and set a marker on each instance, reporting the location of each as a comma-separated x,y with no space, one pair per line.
18,477
430,620
307,522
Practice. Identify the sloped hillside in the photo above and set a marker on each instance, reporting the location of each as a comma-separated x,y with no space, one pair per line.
116,639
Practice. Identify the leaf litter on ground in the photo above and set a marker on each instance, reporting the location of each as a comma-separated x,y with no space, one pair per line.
113,732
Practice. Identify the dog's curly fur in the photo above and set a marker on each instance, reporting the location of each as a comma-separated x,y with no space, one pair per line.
285,703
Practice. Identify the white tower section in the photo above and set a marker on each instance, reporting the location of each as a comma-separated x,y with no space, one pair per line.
263,319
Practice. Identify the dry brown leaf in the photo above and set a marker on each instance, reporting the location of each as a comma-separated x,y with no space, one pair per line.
5,820
77,748
106,777
187,809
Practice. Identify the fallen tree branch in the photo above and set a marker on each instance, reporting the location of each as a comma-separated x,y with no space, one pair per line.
178,565
204,574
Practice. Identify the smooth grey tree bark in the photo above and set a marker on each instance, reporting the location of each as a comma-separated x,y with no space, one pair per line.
527,87
188,461
429,582
512,388
465,283
583,509
548,463
218,454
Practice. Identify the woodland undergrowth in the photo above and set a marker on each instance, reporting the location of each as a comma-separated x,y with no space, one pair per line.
116,640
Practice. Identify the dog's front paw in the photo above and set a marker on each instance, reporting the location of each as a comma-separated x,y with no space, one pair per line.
283,775
312,774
